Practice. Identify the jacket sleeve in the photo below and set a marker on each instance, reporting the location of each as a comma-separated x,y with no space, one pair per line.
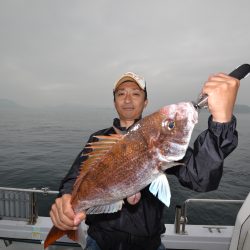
203,165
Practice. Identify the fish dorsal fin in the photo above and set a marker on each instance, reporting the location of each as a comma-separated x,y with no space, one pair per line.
98,151
116,137
161,189
103,145
109,208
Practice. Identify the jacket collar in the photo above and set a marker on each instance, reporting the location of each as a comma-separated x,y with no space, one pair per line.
122,130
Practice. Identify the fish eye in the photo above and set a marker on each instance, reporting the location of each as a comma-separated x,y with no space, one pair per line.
169,124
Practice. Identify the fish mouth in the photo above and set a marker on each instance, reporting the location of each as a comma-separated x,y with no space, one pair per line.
193,113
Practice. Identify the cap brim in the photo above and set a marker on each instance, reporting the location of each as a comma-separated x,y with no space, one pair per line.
126,79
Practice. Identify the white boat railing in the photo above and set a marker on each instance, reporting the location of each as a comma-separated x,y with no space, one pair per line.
20,203
181,211
177,236
44,190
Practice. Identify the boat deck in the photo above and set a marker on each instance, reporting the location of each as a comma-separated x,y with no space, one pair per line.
22,228
20,233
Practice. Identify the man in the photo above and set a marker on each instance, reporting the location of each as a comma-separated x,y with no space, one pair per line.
139,224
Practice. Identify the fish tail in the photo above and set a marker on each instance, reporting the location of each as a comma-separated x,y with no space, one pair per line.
56,233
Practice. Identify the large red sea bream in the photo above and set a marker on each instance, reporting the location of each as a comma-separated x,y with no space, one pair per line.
122,165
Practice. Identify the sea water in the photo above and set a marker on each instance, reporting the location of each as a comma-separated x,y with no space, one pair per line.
37,147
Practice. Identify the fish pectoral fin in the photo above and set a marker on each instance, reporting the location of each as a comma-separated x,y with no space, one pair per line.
108,208
161,189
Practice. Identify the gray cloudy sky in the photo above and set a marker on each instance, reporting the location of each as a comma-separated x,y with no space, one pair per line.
55,52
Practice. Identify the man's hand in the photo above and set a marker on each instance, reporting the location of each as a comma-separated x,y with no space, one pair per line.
134,199
63,216
222,92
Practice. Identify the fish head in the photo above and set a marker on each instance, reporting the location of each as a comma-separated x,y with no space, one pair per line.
176,126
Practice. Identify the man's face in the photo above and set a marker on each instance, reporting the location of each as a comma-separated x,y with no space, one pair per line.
129,101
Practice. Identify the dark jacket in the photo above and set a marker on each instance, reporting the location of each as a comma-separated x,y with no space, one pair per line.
141,224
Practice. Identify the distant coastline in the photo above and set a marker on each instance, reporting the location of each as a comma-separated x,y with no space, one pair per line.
7,104
240,108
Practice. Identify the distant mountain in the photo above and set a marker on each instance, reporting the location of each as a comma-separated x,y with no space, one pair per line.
239,108
6,103
79,106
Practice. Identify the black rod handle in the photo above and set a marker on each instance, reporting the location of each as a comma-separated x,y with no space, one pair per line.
241,72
